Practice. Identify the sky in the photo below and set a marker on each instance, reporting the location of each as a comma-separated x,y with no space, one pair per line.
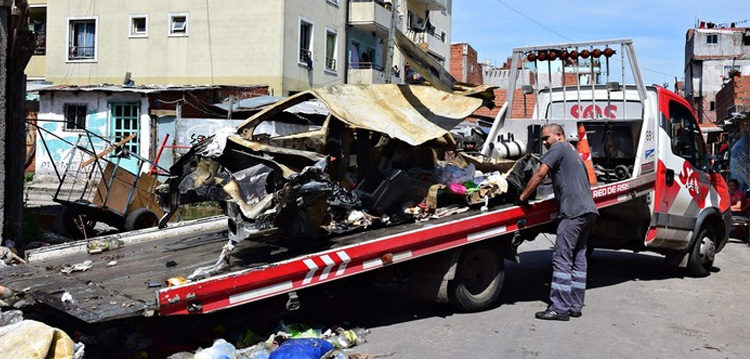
657,27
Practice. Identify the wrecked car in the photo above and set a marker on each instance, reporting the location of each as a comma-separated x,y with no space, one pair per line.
377,155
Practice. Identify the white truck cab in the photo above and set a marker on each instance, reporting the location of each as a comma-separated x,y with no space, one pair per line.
636,134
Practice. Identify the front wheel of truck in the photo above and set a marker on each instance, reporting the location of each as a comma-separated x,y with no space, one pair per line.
479,278
701,257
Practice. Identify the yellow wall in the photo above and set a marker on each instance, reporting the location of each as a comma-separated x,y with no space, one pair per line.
36,67
227,43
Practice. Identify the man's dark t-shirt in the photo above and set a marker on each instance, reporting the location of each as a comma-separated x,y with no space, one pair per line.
569,180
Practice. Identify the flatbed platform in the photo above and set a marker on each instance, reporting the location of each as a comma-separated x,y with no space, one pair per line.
129,288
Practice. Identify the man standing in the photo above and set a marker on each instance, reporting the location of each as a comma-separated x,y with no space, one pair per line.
577,213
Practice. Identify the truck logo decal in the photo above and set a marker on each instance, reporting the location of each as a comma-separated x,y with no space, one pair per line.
649,153
593,111
691,181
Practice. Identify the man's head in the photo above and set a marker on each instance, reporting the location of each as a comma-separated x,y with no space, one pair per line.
734,185
552,133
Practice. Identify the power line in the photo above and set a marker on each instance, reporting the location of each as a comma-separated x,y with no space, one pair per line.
534,21
568,38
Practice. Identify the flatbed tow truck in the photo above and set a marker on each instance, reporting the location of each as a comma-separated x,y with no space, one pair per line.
663,201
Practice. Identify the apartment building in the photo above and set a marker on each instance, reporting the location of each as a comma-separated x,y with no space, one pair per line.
290,45
713,55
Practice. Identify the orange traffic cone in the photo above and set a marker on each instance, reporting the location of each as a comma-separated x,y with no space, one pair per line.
585,152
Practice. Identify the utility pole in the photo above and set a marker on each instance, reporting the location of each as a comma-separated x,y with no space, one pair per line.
389,49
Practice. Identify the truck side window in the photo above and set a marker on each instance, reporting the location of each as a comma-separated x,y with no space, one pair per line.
687,141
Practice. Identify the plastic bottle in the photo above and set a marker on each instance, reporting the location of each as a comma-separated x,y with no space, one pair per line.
347,339
220,350
11,317
259,351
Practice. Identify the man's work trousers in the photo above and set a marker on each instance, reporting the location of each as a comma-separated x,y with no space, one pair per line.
568,286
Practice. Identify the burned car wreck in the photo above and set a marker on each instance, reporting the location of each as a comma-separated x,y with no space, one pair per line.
378,155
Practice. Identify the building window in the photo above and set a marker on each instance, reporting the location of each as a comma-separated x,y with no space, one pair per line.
746,39
38,25
712,106
82,39
138,26
331,50
75,116
731,70
178,24
305,43
125,117
712,38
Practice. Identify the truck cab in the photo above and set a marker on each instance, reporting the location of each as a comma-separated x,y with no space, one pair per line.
635,134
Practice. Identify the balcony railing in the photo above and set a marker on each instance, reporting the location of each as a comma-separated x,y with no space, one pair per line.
40,43
81,52
366,65
305,57
330,64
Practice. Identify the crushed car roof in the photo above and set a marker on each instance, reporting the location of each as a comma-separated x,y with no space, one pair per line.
413,114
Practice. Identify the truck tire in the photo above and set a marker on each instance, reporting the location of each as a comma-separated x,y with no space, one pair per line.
141,218
479,278
701,257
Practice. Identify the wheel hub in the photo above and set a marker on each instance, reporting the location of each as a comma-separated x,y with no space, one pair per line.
707,250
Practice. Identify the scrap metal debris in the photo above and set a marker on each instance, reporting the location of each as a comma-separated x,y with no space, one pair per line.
375,156
78,267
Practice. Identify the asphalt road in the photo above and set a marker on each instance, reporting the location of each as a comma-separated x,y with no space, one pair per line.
636,306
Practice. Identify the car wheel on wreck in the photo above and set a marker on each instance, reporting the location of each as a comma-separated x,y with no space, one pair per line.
141,218
479,277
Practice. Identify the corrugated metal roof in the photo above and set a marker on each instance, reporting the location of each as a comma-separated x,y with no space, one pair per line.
126,89
413,114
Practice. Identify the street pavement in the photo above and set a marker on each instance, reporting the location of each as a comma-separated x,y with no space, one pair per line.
636,306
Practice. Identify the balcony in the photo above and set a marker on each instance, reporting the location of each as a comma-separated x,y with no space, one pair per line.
429,40
368,73
370,16
431,5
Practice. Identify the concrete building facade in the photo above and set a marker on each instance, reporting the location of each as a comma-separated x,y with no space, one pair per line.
290,45
712,56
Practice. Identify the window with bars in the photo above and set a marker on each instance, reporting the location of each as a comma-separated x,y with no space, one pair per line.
82,39
75,116
124,122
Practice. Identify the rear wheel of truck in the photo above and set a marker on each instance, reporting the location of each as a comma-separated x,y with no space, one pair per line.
479,278
141,218
701,257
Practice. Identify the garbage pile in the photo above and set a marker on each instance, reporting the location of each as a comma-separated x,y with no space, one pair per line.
312,204
295,341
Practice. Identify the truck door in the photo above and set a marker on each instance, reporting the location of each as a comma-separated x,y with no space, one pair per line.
682,182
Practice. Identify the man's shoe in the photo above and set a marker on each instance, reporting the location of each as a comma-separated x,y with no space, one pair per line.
551,314
575,313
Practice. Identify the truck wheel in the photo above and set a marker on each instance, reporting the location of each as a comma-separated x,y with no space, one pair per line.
701,257
479,278
141,218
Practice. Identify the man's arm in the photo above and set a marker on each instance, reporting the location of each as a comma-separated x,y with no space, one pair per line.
736,207
534,182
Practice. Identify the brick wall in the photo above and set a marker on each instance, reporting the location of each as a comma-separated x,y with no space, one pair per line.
464,64
517,110
734,96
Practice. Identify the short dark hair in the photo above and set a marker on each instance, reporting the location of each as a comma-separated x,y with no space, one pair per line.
736,182
555,128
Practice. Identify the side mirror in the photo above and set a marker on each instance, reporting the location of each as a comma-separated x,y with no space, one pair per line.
670,177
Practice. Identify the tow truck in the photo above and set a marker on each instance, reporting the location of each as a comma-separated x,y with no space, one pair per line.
655,191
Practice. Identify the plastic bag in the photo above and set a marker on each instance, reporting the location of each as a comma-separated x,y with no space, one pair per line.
302,349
